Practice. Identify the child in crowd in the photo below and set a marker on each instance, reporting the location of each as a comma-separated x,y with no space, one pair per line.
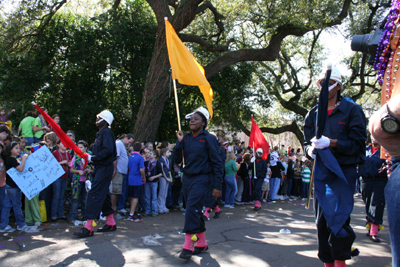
152,176
306,175
165,166
4,116
56,118
13,197
32,212
297,181
57,206
51,141
136,175
265,185
78,189
2,179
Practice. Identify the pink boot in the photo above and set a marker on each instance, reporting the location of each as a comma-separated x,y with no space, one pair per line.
373,234
201,244
340,264
329,264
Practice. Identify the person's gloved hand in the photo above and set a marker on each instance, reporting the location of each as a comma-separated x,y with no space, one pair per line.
321,143
89,158
311,153
88,185
252,159
255,177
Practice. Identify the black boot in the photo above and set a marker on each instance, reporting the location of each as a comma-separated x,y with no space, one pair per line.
186,254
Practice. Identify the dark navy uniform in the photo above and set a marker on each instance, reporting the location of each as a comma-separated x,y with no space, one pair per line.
346,124
203,166
210,201
261,172
373,186
104,154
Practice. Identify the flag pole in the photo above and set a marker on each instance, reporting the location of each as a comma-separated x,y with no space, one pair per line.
254,151
177,105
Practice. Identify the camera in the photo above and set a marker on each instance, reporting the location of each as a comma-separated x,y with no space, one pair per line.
368,43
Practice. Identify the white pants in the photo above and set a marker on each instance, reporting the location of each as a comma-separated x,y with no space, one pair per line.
162,194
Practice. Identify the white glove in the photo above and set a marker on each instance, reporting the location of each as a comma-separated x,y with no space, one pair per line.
252,159
310,152
266,179
321,143
89,157
255,177
88,185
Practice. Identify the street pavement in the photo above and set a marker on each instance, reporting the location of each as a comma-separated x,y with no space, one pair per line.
240,237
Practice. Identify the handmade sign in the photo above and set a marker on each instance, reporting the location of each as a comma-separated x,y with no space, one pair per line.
41,170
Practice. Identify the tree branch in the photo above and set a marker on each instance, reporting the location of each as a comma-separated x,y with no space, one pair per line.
199,40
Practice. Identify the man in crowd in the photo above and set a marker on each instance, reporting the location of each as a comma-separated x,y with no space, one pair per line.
40,127
120,167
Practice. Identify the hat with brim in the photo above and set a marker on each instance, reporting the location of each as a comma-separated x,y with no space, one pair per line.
202,110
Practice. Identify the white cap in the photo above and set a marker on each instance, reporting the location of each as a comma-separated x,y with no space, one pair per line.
260,150
202,110
335,75
107,116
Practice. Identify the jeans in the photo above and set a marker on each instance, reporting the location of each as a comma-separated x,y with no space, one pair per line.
36,140
306,188
231,190
298,187
392,196
124,194
274,184
2,197
239,192
151,197
169,195
12,200
289,187
29,141
73,213
162,195
57,205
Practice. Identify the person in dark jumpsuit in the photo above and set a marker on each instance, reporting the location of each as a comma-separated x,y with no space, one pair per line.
261,169
374,180
345,135
98,199
203,166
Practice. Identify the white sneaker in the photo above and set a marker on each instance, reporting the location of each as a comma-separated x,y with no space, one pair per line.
226,206
304,199
22,228
231,207
264,200
122,211
285,197
166,211
7,229
183,209
37,224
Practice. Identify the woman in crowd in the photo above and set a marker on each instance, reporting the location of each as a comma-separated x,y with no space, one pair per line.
165,167
80,176
374,180
13,196
153,174
57,206
244,174
203,165
230,179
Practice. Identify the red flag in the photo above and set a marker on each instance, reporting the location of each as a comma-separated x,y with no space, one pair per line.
258,138
67,142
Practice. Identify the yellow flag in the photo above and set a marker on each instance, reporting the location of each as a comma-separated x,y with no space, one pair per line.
185,67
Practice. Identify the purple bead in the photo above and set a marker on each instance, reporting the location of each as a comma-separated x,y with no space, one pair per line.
384,66
389,26
380,82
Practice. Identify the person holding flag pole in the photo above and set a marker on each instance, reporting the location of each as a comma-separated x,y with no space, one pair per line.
260,168
198,150
335,135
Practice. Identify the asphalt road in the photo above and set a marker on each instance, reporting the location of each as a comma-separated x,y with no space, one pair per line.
240,237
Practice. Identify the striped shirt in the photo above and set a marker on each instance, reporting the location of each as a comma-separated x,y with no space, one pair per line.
305,175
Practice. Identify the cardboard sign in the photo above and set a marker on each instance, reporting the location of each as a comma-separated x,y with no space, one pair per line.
41,170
